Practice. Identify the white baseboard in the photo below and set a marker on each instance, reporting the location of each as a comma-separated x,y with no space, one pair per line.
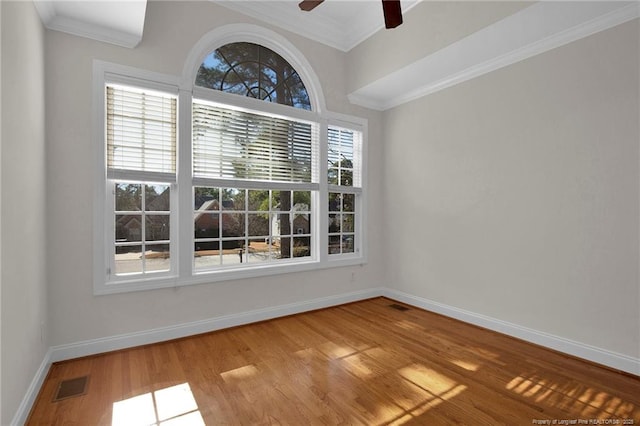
581,350
32,391
107,344
123,341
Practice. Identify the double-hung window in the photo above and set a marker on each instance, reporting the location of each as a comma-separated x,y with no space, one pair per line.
140,133
234,177
344,178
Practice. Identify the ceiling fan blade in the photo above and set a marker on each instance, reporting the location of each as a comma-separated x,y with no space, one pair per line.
392,13
309,5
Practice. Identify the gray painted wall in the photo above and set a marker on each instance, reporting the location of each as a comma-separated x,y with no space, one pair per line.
77,315
24,203
515,195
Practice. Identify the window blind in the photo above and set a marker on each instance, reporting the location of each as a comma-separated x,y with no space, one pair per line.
141,130
240,145
344,153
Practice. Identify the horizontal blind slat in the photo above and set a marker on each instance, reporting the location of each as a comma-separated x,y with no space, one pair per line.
344,152
141,130
240,145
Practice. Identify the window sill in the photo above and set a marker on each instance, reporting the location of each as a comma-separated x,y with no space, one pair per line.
210,277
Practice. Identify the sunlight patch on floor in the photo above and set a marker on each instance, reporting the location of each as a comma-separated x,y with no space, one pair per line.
240,373
428,379
175,401
334,351
190,419
528,387
170,406
589,402
438,399
138,410
469,366
355,365
434,387
402,420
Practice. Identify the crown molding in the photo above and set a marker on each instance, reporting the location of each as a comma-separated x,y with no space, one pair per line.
94,32
532,31
316,26
54,20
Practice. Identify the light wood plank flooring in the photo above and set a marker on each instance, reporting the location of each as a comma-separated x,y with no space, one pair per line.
360,363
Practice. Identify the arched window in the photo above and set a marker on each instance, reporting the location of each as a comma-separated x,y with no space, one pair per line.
249,69
252,166
235,169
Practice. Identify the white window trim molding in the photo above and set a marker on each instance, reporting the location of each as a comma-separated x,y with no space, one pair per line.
104,72
360,125
184,87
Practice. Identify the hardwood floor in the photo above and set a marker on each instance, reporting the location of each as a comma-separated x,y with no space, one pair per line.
361,363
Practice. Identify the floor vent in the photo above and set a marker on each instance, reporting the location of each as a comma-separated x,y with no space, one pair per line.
398,307
71,388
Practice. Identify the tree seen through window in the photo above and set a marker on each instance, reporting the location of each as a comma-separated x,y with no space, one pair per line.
255,71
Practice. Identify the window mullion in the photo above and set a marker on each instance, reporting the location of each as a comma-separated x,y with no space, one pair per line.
344,149
140,176
348,189
249,184
143,227
184,213
110,228
322,204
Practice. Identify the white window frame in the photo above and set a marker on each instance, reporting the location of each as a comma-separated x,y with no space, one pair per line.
182,226
104,234
110,231
357,191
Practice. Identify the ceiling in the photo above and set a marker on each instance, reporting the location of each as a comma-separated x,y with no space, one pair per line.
343,24
543,26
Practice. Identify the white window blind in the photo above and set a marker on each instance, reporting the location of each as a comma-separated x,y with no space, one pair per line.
240,145
344,154
141,130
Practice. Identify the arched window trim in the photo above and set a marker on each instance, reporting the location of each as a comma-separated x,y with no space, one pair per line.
234,33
